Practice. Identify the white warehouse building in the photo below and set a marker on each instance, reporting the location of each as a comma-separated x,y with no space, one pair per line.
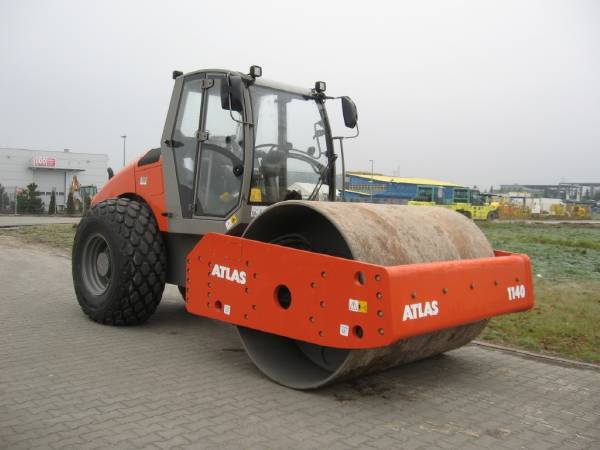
51,170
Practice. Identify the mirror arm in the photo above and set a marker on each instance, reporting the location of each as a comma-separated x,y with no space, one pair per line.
341,139
349,137
235,120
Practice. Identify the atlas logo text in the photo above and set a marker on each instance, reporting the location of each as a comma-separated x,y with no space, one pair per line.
420,310
224,272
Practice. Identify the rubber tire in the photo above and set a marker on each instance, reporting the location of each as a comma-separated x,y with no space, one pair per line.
492,215
137,259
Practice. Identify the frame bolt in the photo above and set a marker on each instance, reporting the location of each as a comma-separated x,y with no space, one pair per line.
472,286
381,331
379,313
379,295
413,295
377,277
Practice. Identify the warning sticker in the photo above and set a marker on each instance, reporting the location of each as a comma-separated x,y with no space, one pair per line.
344,329
229,224
357,305
256,211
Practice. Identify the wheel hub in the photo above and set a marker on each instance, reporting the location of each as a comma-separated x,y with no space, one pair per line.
103,264
96,265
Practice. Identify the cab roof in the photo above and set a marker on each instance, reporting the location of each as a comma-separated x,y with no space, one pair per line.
258,81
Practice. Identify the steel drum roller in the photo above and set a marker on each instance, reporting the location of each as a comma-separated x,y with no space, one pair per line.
379,234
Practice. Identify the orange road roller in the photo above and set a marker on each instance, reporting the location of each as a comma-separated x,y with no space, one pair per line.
239,208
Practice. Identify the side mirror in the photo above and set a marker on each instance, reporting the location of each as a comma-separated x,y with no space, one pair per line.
350,112
232,89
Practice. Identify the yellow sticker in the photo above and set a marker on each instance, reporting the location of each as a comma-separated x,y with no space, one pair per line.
255,195
357,305
231,222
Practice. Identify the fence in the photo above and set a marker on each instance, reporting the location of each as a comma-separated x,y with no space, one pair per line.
8,195
14,200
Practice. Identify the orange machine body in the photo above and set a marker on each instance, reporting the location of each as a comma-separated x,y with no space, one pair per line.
145,181
327,300
344,303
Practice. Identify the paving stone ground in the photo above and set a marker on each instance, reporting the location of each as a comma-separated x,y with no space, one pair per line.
184,382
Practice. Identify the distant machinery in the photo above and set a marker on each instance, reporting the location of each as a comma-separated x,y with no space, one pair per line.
469,202
365,187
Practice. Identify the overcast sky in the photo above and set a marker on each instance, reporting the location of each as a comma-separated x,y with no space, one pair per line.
476,92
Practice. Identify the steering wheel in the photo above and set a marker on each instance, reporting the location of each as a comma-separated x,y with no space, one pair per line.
298,154
270,148
238,164
266,145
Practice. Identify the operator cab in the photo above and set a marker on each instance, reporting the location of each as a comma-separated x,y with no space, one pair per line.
235,143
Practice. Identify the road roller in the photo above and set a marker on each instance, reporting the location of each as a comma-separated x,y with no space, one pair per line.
239,209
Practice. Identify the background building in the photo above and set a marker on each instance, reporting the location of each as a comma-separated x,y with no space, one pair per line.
565,191
386,189
51,170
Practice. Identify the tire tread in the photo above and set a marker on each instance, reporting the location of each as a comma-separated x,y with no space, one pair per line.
142,278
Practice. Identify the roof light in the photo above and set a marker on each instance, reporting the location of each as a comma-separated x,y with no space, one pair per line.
320,86
255,71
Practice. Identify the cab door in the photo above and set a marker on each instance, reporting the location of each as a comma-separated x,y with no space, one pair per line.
220,165
184,140
203,157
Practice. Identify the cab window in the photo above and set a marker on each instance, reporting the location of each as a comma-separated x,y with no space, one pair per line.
221,157
185,144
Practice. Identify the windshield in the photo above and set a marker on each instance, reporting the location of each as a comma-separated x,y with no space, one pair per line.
290,160
461,196
476,198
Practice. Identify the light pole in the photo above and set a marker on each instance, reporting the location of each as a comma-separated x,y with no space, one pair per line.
372,186
124,137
